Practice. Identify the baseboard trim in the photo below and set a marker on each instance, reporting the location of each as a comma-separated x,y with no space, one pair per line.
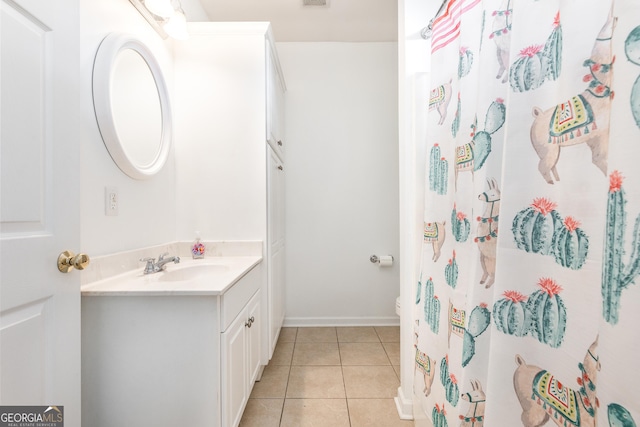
404,405
341,321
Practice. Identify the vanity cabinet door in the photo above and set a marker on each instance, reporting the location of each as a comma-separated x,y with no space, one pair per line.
240,360
234,371
253,340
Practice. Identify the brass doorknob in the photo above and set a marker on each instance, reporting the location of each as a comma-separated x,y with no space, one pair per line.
67,260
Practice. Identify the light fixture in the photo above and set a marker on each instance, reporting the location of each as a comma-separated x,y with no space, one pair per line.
176,25
160,8
165,16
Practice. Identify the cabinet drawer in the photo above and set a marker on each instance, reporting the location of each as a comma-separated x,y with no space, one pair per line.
234,300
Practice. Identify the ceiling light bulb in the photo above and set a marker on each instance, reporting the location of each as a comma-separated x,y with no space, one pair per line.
160,8
176,26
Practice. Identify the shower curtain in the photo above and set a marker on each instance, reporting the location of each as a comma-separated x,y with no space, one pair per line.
527,306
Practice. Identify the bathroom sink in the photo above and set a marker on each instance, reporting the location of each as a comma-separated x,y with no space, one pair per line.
190,272
209,276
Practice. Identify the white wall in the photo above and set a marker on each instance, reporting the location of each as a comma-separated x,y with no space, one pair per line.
220,134
147,213
341,179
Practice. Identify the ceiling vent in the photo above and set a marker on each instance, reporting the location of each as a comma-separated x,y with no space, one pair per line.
315,2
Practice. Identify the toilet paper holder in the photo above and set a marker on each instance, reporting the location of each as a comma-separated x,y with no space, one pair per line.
375,259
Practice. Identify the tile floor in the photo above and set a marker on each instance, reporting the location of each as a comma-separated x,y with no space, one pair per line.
329,377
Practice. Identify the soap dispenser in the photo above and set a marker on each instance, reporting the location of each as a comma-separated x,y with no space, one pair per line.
198,248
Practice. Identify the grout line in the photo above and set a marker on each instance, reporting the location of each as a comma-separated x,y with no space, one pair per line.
388,357
344,385
284,400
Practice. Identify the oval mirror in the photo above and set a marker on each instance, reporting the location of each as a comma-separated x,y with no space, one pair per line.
132,107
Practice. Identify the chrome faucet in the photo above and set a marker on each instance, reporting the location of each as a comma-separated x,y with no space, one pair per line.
153,266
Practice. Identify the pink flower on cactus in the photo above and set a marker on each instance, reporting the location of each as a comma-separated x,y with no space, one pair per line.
530,51
571,223
556,20
514,296
483,305
463,50
460,216
500,100
549,286
453,379
615,181
543,205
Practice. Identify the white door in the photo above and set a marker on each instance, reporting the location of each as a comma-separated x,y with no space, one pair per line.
253,339
234,372
39,204
275,238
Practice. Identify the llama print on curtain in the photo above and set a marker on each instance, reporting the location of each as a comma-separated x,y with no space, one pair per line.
583,118
533,195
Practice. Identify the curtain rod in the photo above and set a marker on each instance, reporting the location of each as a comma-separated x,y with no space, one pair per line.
425,33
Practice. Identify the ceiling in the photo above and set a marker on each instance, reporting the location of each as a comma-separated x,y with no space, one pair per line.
338,21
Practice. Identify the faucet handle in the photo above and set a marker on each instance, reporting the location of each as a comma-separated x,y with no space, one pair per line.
149,268
161,256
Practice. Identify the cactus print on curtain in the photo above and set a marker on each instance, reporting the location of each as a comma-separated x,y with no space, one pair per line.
632,51
533,193
539,228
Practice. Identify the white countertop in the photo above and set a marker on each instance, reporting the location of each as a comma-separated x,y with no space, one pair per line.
209,276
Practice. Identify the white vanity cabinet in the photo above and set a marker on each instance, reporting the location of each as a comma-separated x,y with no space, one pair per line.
241,359
174,357
229,147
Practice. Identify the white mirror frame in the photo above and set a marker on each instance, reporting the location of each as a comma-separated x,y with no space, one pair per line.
103,66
